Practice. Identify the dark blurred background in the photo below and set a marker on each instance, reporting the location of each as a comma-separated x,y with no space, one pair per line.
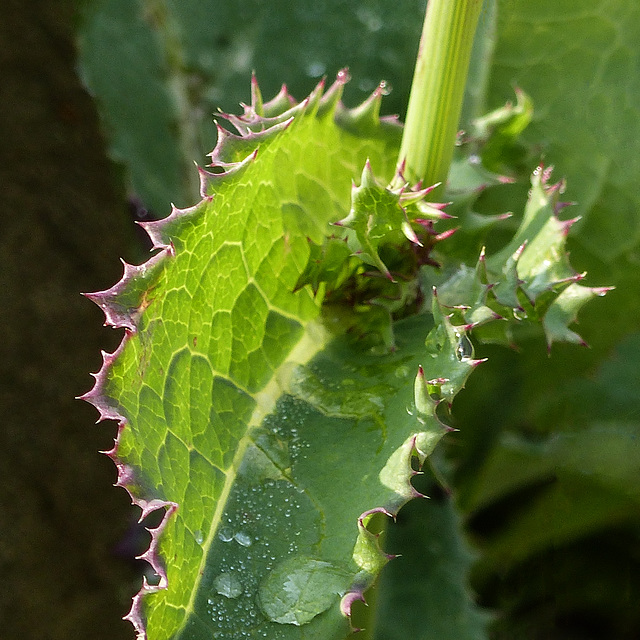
62,226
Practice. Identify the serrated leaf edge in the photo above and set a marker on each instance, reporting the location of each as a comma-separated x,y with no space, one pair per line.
253,130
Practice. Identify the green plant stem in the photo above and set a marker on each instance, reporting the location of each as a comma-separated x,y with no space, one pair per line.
438,87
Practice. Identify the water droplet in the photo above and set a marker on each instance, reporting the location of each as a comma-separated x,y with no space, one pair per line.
225,534
300,588
228,585
402,372
199,538
385,88
464,348
371,20
243,539
315,69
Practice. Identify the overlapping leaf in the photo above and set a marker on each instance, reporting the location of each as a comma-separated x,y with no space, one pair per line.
159,69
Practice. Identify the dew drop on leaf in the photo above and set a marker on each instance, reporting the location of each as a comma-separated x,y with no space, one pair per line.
198,537
315,69
243,539
228,585
464,348
225,534
519,314
402,372
300,588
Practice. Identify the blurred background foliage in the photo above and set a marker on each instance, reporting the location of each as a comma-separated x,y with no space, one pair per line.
546,467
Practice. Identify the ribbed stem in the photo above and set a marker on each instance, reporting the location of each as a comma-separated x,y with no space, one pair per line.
437,91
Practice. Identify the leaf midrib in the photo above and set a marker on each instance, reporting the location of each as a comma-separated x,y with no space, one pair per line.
313,340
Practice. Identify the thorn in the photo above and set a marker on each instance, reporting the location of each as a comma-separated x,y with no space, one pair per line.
439,205
519,251
348,600
559,206
567,224
367,178
410,234
445,234
343,75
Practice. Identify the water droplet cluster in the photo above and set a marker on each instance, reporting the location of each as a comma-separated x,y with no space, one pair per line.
252,541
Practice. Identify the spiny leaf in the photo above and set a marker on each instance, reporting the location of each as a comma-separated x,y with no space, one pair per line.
563,311
213,327
376,217
234,402
530,279
418,588
500,132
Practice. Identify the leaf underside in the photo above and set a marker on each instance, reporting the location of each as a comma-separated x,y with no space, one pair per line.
262,421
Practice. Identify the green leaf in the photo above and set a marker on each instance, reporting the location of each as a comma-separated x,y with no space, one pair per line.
538,247
501,131
159,70
124,66
423,593
529,279
241,413
583,484
583,479
382,217
376,216
305,518
274,397
575,60
564,310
